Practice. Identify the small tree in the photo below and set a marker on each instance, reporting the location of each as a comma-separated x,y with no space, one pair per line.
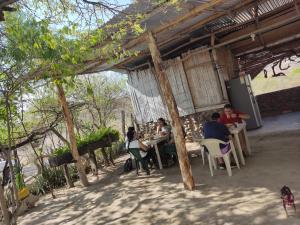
102,96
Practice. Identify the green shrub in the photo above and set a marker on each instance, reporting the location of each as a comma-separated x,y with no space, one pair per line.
19,178
73,172
90,138
49,179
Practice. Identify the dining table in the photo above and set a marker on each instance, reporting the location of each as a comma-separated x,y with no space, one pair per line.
236,130
154,143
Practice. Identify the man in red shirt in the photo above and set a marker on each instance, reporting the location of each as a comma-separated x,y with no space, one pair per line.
231,116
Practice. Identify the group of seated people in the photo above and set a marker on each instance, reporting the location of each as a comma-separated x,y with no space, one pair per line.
133,140
217,128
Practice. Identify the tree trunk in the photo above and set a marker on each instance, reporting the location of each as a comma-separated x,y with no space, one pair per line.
111,158
123,123
93,162
8,155
70,127
4,209
165,86
67,176
105,156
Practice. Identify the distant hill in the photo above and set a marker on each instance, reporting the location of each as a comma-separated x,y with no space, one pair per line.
262,85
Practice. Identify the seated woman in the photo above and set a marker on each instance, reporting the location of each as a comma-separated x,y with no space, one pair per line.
132,141
163,128
168,152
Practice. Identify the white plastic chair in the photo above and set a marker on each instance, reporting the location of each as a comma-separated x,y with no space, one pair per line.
213,147
197,138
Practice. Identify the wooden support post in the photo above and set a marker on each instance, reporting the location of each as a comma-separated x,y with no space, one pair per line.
132,120
67,176
123,122
94,164
297,7
105,156
164,83
218,70
70,126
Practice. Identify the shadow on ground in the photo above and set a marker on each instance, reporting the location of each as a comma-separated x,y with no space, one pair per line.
249,197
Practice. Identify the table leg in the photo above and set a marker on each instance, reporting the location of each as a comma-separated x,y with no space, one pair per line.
247,141
158,157
239,148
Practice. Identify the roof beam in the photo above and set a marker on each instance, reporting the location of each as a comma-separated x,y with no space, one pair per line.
194,12
8,2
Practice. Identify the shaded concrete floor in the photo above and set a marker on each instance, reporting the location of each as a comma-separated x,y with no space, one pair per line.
277,124
250,197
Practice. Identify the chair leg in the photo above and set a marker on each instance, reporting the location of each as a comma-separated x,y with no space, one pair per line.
202,153
210,165
137,167
145,167
227,163
235,158
214,163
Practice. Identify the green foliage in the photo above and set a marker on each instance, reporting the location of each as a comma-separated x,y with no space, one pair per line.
90,138
50,178
103,96
19,179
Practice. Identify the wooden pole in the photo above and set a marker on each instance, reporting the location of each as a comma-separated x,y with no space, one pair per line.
8,154
93,161
297,7
70,127
67,176
123,122
164,83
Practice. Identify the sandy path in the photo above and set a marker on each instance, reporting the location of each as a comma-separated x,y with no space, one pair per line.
250,197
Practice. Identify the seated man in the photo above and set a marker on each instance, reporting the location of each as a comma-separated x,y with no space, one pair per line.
217,130
231,116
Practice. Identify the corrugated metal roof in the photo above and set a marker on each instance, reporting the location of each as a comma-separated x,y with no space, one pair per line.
231,20
247,15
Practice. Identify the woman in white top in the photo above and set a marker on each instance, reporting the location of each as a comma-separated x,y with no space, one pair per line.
146,152
162,128
133,142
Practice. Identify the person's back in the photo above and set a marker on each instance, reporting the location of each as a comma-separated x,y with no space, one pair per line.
214,129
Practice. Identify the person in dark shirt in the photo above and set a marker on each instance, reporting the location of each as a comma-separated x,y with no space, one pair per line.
215,129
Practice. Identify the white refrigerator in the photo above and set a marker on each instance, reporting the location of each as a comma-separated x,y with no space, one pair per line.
242,99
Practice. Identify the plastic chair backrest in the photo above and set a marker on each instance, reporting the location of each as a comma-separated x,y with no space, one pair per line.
213,146
136,153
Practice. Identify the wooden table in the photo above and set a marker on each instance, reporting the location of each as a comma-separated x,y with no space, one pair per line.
154,143
235,131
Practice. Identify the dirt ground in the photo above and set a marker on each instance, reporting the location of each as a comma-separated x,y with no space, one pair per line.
251,196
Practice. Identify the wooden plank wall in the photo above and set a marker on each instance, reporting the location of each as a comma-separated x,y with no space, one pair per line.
203,79
195,84
180,88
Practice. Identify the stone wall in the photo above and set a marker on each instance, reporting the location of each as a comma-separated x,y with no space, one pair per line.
279,102
192,124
